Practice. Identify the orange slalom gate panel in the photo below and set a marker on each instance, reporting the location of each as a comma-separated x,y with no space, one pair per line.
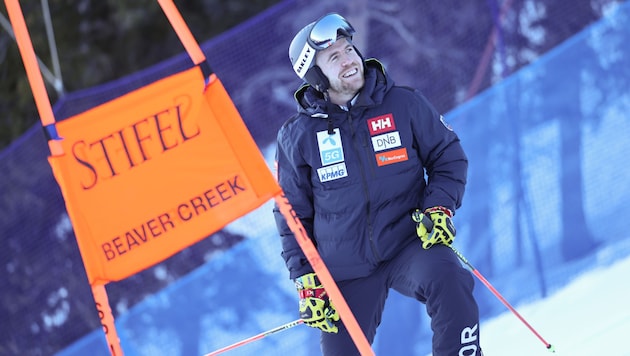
154,171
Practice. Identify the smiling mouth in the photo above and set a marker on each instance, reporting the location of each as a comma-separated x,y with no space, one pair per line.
350,73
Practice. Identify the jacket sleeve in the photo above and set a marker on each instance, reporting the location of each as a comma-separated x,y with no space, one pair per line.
443,157
294,179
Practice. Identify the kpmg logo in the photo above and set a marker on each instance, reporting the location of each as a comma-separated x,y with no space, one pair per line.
332,172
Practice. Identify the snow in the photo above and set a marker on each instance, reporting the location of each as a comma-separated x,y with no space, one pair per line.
590,316
587,316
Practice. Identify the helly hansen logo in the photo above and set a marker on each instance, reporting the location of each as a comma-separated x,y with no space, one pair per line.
380,124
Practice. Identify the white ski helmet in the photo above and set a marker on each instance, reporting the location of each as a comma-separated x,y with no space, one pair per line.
313,38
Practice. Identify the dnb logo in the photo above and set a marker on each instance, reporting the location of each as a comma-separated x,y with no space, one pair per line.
386,141
330,147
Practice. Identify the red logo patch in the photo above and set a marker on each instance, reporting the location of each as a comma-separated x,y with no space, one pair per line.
380,124
389,157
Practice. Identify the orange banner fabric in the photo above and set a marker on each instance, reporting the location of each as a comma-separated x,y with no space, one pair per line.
152,172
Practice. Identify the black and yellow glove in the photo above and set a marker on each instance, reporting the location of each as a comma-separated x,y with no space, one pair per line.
316,309
434,226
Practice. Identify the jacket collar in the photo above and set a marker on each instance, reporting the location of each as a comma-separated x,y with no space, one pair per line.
377,83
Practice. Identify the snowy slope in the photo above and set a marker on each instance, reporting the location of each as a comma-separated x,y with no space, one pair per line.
588,317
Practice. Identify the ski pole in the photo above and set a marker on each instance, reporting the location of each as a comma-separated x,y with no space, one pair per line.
500,297
256,337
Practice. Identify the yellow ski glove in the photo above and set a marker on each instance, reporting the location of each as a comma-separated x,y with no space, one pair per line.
316,309
434,226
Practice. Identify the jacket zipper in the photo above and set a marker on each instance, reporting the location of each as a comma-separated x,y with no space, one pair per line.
359,148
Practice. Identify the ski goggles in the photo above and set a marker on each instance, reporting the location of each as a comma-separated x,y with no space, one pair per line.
327,29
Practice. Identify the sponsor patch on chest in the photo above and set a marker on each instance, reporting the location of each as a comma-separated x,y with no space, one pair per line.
333,172
391,157
331,155
386,140
330,147
380,124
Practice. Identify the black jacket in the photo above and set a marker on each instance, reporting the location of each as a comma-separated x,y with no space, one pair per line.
353,191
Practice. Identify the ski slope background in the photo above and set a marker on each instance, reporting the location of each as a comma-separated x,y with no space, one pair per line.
245,291
589,316
578,305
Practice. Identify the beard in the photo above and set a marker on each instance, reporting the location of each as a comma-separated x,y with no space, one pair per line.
348,87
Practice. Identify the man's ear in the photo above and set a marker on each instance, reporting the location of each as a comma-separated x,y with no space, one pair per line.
317,79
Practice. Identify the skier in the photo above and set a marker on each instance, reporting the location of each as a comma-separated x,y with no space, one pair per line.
352,164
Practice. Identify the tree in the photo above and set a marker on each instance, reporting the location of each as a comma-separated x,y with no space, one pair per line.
574,245
100,41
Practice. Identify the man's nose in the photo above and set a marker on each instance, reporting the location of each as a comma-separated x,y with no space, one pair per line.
346,59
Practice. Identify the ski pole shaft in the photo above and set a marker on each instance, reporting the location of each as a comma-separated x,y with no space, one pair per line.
500,297
256,337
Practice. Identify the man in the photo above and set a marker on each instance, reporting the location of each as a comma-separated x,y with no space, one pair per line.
352,163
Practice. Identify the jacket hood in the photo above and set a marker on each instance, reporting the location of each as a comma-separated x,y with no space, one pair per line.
377,83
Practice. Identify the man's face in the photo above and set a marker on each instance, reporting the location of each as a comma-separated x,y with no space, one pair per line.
343,67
